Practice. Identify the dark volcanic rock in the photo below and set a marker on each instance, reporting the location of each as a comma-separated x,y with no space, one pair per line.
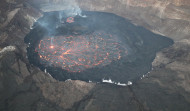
24,87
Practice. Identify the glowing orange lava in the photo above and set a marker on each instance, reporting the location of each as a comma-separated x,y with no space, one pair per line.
51,46
70,20
77,53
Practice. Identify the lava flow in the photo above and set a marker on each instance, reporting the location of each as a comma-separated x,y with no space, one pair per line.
79,52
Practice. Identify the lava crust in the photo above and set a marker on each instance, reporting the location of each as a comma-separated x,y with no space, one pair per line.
77,53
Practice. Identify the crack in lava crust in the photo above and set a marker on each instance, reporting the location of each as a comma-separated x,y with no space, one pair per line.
79,52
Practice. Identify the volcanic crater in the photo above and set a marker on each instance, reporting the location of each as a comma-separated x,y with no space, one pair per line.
93,47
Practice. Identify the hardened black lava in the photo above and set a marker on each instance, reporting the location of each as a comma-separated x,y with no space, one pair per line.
92,47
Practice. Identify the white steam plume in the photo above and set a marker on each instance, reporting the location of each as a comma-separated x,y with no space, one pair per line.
70,7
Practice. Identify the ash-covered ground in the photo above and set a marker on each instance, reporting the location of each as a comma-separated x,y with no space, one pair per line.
92,47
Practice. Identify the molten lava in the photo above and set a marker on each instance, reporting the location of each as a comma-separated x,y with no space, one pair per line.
70,20
79,52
